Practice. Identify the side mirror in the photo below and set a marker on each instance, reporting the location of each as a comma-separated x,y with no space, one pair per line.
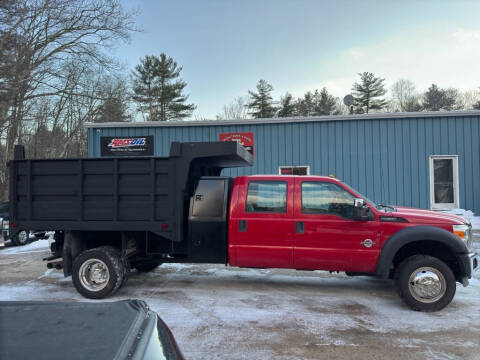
361,211
358,202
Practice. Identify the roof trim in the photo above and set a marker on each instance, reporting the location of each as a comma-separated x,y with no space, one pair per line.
376,116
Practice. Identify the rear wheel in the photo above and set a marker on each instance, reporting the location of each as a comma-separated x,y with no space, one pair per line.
21,238
147,265
98,272
425,283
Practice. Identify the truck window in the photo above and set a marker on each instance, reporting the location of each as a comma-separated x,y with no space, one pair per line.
267,197
326,198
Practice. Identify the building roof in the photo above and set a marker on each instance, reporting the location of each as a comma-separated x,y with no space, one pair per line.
376,116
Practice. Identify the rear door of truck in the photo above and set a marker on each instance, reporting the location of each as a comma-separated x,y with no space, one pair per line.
261,222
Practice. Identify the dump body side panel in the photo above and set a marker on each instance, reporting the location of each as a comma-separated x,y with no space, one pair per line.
117,194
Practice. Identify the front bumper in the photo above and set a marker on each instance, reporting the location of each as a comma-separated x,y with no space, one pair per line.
474,262
469,264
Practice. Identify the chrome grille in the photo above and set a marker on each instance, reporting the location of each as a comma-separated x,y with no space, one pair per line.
469,238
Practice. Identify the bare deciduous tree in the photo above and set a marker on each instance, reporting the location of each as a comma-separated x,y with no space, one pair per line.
403,91
236,110
38,40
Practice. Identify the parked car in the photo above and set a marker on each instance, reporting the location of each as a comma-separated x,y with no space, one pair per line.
2,240
19,238
75,330
141,212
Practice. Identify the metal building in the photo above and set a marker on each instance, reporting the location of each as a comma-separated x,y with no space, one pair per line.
429,160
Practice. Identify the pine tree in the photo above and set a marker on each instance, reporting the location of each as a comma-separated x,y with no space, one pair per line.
287,106
305,106
436,99
412,104
476,105
367,94
158,89
144,85
114,105
324,103
261,103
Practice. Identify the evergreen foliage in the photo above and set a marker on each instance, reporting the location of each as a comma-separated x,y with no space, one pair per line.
436,99
324,103
368,93
158,90
261,102
305,106
287,106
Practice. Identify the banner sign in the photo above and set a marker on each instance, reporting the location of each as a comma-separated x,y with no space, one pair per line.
126,146
244,138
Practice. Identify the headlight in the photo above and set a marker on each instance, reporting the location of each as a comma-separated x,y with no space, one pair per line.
463,232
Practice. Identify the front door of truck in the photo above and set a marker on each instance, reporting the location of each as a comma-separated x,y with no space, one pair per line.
262,230
326,235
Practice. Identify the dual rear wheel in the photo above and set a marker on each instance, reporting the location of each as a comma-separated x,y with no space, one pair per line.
100,272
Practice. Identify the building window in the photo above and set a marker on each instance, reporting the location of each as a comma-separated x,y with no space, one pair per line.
444,187
294,170
267,197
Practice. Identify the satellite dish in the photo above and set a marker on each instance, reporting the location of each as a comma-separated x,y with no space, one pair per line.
348,100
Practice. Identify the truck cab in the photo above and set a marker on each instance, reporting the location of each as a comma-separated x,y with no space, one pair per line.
320,223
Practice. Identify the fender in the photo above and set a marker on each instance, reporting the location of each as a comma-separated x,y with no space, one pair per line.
411,234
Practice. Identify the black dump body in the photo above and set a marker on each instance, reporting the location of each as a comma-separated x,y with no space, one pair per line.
116,194
75,330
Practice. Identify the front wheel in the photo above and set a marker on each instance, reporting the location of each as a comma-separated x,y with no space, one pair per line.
98,272
21,238
425,283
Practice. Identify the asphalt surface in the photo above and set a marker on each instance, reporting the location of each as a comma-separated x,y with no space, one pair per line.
217,312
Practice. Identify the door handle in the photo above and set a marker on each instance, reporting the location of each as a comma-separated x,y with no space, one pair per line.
242,225
299,227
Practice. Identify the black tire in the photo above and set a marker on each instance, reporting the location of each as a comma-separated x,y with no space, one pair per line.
21,238
146,265
105,256
437,276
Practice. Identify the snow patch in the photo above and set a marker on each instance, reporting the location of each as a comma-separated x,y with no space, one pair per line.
36,246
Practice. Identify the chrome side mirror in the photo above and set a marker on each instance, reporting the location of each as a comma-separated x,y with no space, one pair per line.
359,202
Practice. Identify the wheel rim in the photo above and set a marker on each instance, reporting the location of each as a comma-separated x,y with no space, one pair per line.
427,285
22,237
94,275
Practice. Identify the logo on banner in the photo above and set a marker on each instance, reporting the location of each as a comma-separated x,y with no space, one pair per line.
127,146
243,138
125,143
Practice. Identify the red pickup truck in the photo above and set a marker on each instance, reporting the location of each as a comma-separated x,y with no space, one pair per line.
319,223
111,215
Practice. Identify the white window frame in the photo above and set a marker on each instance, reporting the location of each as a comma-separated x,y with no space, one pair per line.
293,166
456,192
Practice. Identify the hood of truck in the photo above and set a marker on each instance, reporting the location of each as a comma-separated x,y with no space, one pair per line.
420,216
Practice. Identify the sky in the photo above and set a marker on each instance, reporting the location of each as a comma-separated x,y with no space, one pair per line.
226,46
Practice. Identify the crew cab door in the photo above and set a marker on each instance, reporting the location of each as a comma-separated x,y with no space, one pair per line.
261,223
326,235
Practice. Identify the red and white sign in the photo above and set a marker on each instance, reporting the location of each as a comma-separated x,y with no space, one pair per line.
244,138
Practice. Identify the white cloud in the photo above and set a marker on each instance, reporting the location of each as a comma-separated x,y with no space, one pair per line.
447,58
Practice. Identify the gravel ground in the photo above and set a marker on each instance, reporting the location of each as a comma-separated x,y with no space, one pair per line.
217,312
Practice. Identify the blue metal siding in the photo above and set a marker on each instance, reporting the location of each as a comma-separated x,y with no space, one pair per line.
385,159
